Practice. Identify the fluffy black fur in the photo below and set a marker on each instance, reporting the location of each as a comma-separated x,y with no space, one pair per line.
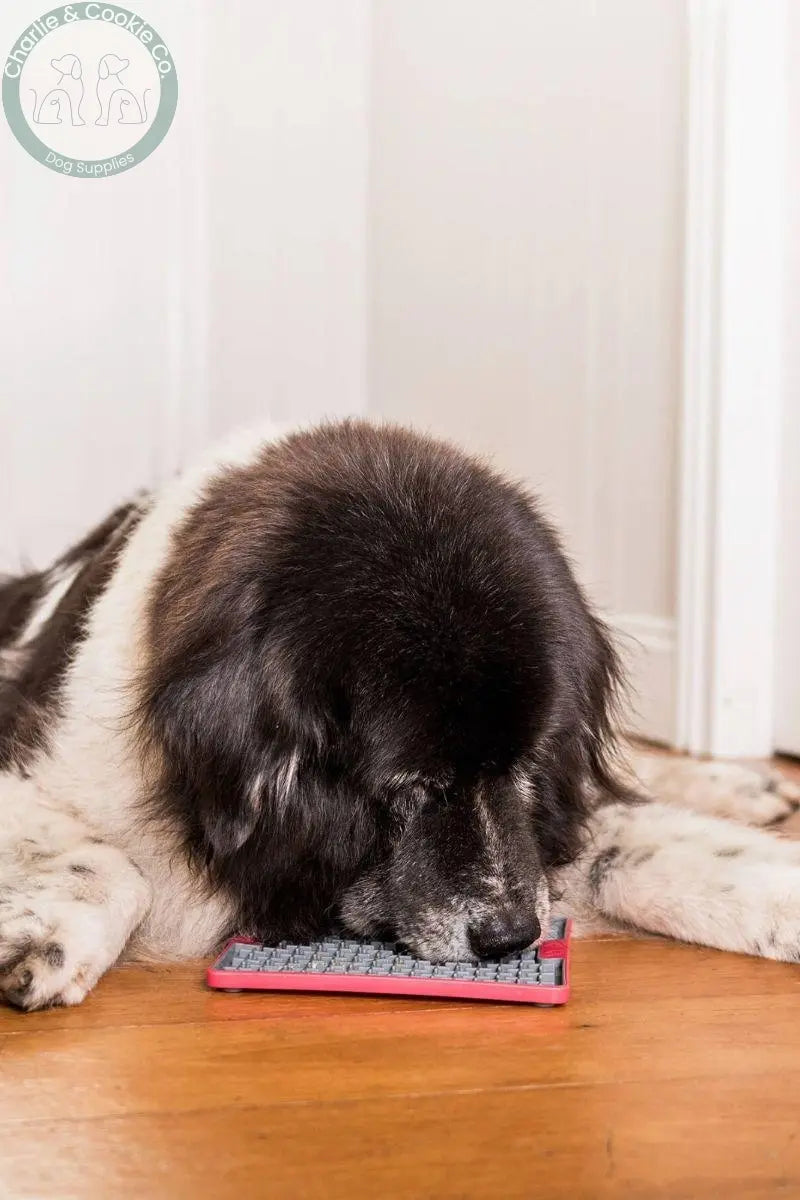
377,694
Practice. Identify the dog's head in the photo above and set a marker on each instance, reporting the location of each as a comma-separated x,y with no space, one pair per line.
111,64
376,694
68,64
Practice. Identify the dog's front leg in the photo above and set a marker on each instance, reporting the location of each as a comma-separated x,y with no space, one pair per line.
69,902
699,879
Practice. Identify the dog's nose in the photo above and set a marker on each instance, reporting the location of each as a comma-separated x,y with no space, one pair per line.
504,935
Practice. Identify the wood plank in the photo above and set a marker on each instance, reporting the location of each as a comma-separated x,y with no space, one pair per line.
704,1139
647,968
634,1026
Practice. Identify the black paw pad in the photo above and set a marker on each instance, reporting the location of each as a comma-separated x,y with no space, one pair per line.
53,954
12,955
18,995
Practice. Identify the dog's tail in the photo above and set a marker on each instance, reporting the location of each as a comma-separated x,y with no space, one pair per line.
35,101
144,104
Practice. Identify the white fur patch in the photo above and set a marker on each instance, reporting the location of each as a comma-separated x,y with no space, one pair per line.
286,778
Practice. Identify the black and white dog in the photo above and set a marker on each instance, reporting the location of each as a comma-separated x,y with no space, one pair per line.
343,679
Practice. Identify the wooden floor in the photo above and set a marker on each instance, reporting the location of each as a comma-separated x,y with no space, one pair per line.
673,1072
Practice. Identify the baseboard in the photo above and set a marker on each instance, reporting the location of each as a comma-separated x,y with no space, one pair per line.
648,646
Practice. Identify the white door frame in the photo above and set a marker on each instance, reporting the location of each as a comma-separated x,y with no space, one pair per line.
732,376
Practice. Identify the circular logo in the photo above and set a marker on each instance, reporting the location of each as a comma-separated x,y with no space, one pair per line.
89,90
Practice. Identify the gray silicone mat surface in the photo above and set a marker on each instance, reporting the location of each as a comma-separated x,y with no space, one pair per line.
342,956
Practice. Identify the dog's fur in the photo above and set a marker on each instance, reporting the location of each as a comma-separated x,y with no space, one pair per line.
344,679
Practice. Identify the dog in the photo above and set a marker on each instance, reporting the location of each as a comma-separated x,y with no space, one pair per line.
111,90
341,680
68,90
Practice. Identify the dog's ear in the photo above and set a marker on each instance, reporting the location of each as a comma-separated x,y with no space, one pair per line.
207,728
102,70
76,68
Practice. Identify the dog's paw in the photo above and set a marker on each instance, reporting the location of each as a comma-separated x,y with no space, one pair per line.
34,974
776,918
751,796
42,962
64,920
748,795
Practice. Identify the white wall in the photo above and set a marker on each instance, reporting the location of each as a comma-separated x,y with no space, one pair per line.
526,202
221,282
287,194
90,335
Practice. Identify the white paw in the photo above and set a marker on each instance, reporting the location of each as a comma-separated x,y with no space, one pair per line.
64,920
41,961
748,795
774,915
751,796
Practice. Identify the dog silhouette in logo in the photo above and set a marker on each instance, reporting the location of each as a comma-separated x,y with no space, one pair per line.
117,102
65,97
